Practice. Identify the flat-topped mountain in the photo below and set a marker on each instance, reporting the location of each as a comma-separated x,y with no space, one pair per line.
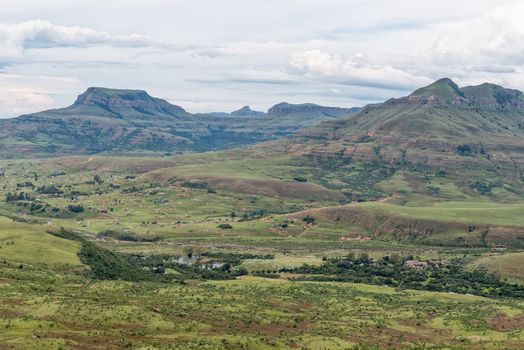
128,121
119,102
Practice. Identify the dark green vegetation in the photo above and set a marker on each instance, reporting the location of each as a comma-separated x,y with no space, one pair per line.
131,121
412,274
398,228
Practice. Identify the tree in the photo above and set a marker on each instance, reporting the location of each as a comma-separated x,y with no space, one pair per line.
75,208
97,179
309,220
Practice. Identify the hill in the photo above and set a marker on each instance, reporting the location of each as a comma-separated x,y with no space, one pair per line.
441,139
132,121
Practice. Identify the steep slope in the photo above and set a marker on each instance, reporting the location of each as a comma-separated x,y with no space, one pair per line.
124,121
474,136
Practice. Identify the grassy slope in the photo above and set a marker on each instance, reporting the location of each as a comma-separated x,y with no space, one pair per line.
30,244
462,212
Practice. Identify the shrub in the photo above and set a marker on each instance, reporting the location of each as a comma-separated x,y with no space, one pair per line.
75,208
309,220
300,179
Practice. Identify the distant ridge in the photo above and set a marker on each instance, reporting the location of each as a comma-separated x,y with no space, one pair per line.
123,121
285,109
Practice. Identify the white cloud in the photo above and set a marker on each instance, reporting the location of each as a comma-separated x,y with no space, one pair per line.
353,71
16,38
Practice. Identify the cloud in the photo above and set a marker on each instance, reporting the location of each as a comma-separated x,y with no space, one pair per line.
222,55
15,39
353,71
490,45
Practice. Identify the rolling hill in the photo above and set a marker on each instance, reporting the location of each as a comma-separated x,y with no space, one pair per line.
131,121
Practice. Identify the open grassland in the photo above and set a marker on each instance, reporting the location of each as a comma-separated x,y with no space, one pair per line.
145,214
45,310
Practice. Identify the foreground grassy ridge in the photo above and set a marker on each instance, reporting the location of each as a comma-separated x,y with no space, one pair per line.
45,310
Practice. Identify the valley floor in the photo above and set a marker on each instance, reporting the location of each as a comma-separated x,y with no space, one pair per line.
102,253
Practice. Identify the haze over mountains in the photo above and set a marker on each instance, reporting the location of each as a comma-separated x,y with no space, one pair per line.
111,120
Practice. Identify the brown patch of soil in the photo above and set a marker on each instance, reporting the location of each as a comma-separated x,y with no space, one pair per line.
9,314
503,323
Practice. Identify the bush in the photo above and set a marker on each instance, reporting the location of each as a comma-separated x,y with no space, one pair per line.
75,208
300,179
225,226
309,220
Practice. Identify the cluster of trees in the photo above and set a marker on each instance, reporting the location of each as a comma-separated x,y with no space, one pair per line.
308,220
103,263
252,215
75,208
392,271
21,196
50,189
235,259
25,184
482,188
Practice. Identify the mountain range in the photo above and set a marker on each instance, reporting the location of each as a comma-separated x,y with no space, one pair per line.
473,137
131,121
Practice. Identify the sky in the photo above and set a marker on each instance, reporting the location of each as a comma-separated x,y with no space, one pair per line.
219,55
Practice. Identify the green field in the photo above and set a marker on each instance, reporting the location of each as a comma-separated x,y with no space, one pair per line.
270,271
